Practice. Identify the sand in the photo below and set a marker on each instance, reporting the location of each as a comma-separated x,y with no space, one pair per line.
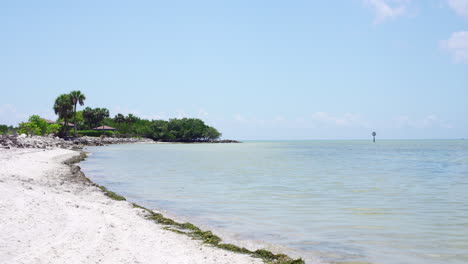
47,216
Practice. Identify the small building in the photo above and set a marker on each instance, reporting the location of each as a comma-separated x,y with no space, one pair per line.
104,128
49,121
69,124
61,123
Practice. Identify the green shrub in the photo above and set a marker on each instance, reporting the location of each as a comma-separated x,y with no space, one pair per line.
3,129
53,129
36,126
95,133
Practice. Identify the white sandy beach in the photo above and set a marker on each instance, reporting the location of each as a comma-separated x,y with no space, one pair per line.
48,217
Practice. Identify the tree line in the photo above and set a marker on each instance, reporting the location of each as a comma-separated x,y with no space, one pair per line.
4,129
84,121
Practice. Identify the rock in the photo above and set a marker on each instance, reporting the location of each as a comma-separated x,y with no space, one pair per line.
48,142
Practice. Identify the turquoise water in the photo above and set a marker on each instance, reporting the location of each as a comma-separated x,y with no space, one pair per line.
328,201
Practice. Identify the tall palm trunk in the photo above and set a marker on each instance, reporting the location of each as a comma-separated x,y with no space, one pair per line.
65,121
74,120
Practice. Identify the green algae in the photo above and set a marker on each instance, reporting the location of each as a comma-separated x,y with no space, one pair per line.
175,230
111,194
234,248
209,238
76,171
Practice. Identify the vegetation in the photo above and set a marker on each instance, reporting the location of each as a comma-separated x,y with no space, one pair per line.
4,129
174,130
209,238
95,133
119,119
63,107
111,194
37,126
184,130
76,98
94,117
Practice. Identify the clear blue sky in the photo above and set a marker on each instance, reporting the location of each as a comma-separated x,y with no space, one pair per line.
253,69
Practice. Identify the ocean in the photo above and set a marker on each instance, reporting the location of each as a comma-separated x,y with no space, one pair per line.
393,201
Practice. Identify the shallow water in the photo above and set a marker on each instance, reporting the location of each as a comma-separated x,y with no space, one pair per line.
333,201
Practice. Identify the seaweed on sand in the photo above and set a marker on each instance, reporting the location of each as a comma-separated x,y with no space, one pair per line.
209,238
111,194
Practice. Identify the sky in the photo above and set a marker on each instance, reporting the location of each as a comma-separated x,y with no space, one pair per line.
264,69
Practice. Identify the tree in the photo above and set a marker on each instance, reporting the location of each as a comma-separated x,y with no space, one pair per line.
160,130
53,128
38,126
211,133
3,129
119,119
76,98
80,122
88,116
39,123
374,134
28,129
63,108
94,117
100,114
184,130
130,119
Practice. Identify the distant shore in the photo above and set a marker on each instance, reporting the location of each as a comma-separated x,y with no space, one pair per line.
202,142
49,142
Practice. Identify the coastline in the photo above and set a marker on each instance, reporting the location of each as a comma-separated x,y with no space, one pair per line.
48,181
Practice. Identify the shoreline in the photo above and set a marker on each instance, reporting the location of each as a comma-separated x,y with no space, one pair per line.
209,248
187,228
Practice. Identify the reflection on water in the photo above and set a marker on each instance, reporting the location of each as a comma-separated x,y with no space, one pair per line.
338,201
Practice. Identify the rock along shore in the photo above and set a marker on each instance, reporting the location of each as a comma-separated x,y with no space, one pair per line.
50,142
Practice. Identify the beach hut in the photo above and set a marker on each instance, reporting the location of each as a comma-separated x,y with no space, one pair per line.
104,128
49,121
69,124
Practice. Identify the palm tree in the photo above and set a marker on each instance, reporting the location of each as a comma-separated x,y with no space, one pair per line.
119,118
100,114
76,98
63,108
374,134
88,116
130,118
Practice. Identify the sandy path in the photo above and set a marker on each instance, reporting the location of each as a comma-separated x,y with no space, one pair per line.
45,217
